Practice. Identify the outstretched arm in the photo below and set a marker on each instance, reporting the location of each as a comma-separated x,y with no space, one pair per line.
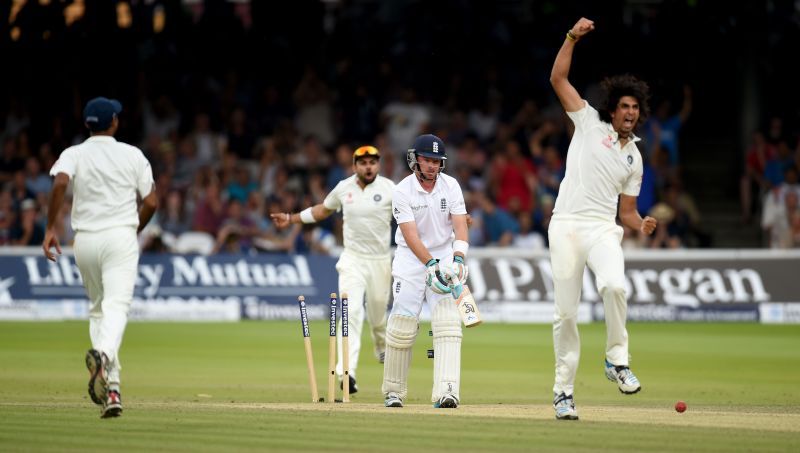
567,94
318,212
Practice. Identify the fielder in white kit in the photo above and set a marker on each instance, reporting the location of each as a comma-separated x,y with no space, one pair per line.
430,212
106,175
365,264
604,168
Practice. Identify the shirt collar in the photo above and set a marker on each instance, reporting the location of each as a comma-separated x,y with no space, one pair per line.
419,187
615,136
101,138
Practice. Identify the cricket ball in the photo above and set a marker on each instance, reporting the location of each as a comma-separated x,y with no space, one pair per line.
680,406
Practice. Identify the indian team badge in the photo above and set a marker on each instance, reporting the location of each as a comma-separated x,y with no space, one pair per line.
630,159
377,198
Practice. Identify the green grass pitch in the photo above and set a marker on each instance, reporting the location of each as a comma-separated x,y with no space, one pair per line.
244,386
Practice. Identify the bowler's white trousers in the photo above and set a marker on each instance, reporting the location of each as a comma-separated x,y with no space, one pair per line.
364,277
108,261
573,245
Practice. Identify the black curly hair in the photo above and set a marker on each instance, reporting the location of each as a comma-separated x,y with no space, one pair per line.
616,87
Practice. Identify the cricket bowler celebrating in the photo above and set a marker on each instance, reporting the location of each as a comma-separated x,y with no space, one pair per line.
430,212
365,264
603,164
106,175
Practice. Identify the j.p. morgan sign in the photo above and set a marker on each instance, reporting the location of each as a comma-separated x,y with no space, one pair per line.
681,278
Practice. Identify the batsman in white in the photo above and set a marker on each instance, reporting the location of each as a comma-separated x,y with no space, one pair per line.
106,176
365,264
604,170
430,212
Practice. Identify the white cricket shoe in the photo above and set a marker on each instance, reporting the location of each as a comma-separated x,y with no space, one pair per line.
97,364
448,401
565,407
393,400
627,382
112,406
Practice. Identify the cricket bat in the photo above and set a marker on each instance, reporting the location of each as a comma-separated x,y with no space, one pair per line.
467,307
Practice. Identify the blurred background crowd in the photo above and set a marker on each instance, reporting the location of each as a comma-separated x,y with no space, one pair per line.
246,108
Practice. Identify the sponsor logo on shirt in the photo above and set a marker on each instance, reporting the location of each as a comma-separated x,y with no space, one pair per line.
608,141
418,207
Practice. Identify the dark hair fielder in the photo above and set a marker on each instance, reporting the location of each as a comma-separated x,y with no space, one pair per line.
618,86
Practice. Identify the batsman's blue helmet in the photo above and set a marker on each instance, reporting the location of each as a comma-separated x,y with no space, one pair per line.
429,145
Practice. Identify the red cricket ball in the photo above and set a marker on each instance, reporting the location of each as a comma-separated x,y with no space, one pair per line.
680,406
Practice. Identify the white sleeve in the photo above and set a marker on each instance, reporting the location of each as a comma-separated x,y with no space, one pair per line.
333,200
585,117
67,163
401,208
145,183
634,183
457,205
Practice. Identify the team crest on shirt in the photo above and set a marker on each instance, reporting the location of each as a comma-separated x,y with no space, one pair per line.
377,198
630,159
443,205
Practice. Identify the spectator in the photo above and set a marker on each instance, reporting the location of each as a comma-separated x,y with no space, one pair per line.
404,119
237,230
314,115
499,226
753,180
8,217
779,221
27,231
240,188
513,179
36,181
527,238
172,216
10,161
664,127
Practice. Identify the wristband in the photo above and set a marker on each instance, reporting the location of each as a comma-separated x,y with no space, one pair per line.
460,246
306,216
571,36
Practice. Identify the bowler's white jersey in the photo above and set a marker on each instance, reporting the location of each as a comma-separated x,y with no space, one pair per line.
598,170
367,214
106,176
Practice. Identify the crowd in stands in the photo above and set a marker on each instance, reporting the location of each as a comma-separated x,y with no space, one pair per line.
217,186
229,143
770,185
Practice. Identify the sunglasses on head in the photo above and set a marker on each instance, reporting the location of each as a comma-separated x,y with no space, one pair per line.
366,151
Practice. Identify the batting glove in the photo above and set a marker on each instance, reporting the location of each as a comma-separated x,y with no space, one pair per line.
435,279
460,268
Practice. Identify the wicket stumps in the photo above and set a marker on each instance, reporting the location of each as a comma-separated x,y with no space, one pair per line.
331,350
309,353
345,350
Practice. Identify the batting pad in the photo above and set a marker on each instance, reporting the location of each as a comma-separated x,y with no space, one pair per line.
446,326
401,331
